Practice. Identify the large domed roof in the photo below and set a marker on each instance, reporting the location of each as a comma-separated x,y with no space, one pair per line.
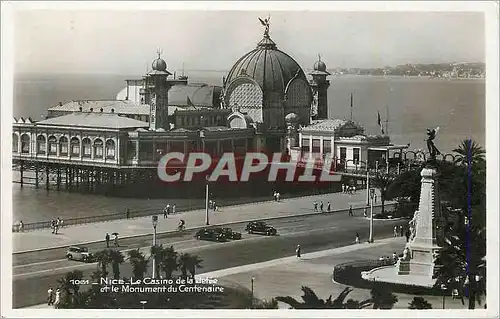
271,68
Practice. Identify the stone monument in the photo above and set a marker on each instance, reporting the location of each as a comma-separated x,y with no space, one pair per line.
417,267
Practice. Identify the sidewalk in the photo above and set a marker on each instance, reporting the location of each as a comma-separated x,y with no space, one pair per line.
78,234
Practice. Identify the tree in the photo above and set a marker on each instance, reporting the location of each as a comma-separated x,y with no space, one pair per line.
103,258
194,263
419,303
461,262
382,181
70,288
139,263
169,262
265,304
469,150
382,298
311,301
117,258
157,253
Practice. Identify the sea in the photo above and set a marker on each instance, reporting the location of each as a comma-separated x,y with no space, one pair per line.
407,107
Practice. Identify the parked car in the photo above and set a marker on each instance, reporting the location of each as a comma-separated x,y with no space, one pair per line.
261,228
79,253
228,232
210,234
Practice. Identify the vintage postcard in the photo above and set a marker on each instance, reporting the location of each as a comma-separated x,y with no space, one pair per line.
287,159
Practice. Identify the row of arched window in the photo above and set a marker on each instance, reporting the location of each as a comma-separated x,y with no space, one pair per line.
65,147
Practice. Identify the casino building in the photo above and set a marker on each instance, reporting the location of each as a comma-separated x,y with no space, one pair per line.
266,104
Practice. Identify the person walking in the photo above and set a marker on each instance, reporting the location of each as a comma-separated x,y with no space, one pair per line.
50,297
61,221
173,209
357,238
215,206
343,188
315,206
127,212
328,207
395,231
407,234
53,225
56,226
58,298
365,212
21,226
278,197
401,232
350,211
394,257
297,251
107,240
321,206
165,212
116,240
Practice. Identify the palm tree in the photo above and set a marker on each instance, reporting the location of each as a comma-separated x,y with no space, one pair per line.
419,303
382,182
139,263
70,288
469,150
265,304
184,263
194,262
117,258
103,259
311,301
382,298
169,262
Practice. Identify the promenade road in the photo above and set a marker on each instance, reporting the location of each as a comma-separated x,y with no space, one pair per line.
313,232
72,235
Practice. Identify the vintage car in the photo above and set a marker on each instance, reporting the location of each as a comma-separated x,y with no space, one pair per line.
228,232
79,253
210,234
260,227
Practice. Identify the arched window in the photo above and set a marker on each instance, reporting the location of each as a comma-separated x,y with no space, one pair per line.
75,146
110,149
25,144
52,145
98,148
87,147
41,145
15,143
63,146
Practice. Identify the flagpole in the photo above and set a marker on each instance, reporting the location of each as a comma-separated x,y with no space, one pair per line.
351,106
387,119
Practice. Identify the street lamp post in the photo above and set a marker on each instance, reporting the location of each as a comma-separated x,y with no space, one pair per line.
372,195
154,220
207,221
399,171
367,187
253,279
376,166
443,287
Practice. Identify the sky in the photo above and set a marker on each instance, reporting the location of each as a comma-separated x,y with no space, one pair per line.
125,42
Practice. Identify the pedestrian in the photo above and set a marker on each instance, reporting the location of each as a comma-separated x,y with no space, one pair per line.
165,212
357,238
210,204
52,225
173,209
354,189
298,251
278,197
328,207
407,234
395,231
315,206
127,212
116,240
21,226
375,198
107,240
215,206
58,298
321,206
394,257
350,211
343,188
56,226
61,221
365,212
401,232
274,195
50,297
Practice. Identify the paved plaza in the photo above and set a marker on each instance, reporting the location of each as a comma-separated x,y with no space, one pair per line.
72,235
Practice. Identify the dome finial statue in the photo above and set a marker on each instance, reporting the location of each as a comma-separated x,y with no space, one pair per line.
319,56
265,23
159,51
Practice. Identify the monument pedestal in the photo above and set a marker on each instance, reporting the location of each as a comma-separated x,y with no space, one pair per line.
417,267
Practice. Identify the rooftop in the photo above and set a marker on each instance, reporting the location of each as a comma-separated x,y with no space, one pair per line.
329,125
97,120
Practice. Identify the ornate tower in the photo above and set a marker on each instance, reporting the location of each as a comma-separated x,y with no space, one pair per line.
157,86
319,85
